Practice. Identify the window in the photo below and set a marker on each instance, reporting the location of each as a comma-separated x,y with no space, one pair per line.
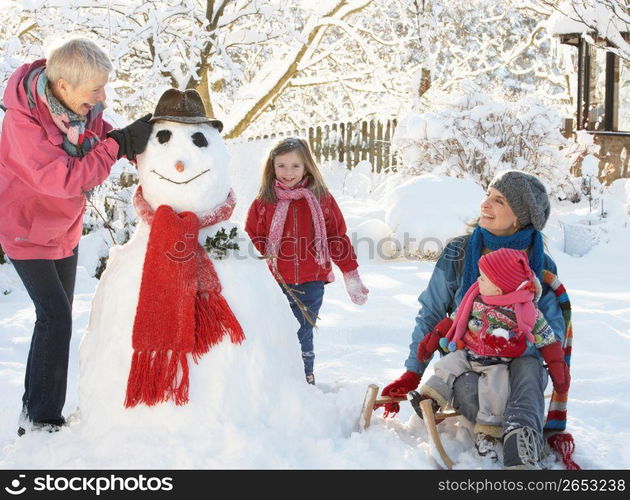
603,89
623,117
596,91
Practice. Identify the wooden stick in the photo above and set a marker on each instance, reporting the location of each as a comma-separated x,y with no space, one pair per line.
426,407
368,406
300,305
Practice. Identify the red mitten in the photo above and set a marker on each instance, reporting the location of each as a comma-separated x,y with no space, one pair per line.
553,355
431,340
399,388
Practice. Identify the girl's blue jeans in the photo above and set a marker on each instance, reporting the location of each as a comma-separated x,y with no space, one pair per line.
50,284
311,294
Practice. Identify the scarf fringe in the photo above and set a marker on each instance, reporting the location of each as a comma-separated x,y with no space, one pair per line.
153,378
214,319
563,444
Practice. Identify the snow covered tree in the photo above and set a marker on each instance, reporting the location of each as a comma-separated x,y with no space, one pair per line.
263,66
239,55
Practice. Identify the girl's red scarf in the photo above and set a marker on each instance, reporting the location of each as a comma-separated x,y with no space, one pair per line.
285,196
180,309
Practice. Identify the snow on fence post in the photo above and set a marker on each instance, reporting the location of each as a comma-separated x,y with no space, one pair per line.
348,142
371,145
342,142
381,148
389,133
318,143
326,141
311,141
360,143
363,144
334,142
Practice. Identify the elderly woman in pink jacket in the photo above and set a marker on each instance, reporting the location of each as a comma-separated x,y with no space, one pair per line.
54,147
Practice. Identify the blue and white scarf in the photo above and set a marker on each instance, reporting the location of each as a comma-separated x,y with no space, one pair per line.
526,239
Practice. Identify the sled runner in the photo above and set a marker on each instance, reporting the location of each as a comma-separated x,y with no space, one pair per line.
372,400
422,408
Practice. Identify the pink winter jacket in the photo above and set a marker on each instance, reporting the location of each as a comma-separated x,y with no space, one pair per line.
42,188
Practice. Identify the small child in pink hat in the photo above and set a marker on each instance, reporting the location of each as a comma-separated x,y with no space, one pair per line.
495,321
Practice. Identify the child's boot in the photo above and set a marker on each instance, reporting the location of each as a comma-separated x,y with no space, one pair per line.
487,446
522,449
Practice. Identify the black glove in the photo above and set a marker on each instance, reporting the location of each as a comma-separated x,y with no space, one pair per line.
132,140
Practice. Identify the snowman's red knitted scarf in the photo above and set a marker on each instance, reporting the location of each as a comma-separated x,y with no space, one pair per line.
180,310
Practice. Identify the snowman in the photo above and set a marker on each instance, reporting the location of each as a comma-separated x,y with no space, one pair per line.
188,329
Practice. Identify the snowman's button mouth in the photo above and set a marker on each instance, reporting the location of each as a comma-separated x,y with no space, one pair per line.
180,182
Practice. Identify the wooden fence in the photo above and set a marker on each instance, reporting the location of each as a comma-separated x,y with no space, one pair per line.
349,143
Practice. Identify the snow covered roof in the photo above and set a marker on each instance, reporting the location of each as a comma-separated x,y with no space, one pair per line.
574,19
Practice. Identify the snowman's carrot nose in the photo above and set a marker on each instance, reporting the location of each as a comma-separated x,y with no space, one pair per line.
179,166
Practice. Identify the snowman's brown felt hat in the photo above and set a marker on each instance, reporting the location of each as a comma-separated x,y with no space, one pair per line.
183,107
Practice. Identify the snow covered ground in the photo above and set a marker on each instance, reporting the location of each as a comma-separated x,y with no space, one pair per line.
356,346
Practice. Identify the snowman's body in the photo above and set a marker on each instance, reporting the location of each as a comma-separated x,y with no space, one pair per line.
237,382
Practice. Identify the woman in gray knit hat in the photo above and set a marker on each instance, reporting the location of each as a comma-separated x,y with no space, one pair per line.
512,215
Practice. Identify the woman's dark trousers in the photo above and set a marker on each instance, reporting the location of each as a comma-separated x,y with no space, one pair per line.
50,284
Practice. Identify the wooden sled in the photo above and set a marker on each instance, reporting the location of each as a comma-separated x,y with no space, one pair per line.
424,409
430,418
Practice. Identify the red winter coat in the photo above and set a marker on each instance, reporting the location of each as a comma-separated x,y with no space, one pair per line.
296,256
42,188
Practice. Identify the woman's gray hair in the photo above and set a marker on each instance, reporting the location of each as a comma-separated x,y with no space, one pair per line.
77,61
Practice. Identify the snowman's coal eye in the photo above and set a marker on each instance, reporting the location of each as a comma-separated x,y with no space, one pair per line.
164,136
199,140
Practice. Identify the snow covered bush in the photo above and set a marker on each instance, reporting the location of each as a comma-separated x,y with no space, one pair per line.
109,218
479,135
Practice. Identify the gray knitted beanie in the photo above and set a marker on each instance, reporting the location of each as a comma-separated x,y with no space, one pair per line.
526,195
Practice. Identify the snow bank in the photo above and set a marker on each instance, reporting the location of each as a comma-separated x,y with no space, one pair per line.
425,212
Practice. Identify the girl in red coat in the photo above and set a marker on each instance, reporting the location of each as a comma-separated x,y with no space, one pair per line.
297,224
